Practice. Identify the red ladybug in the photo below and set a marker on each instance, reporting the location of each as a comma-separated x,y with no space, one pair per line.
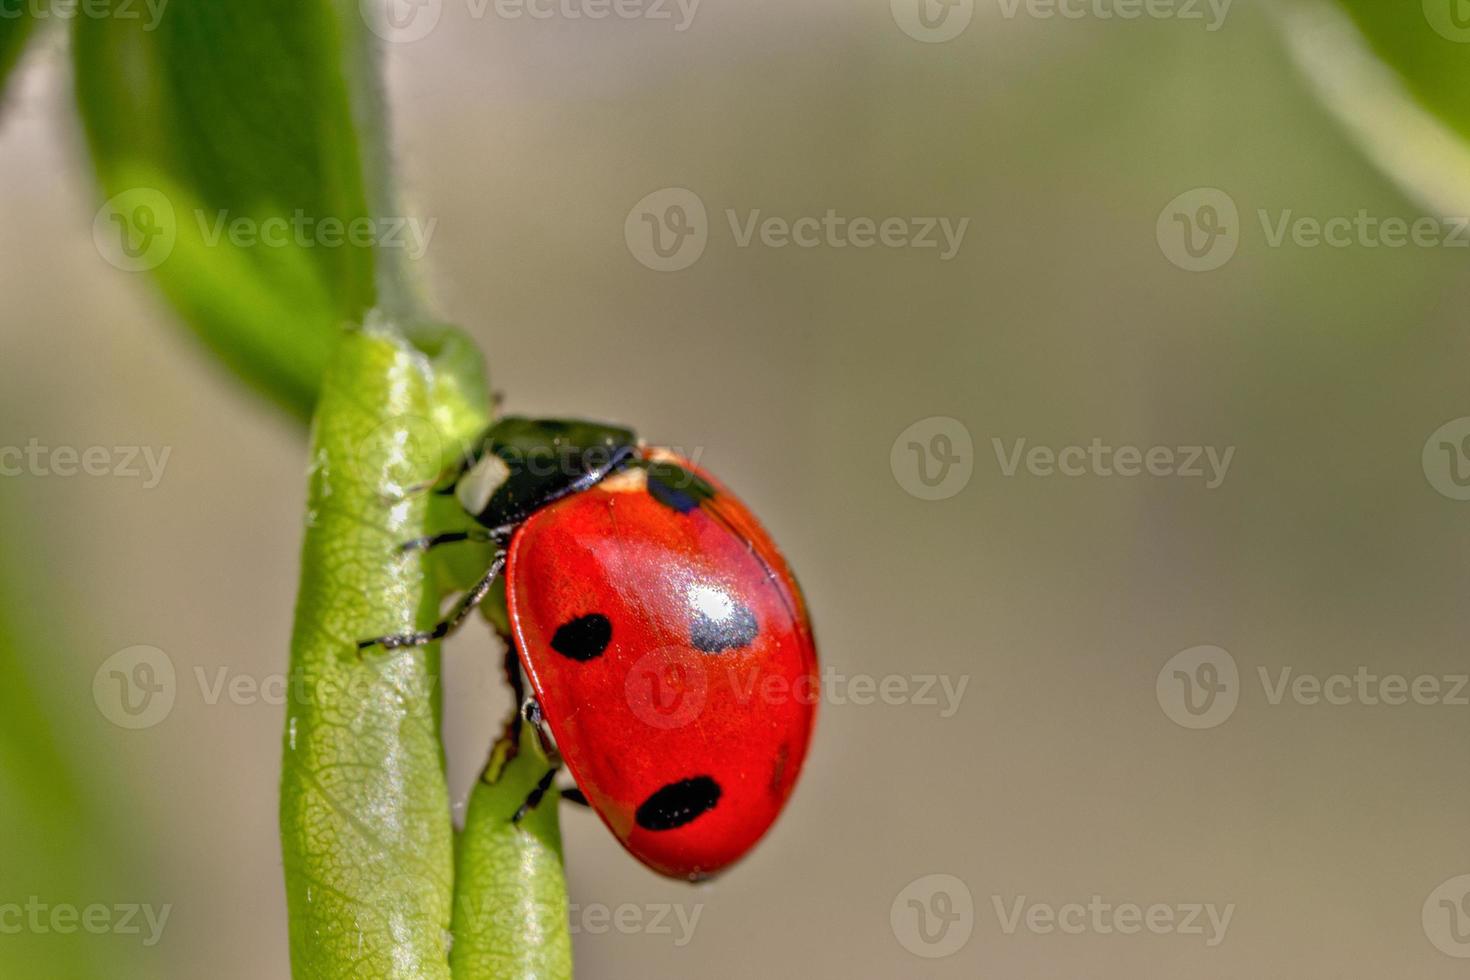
666,640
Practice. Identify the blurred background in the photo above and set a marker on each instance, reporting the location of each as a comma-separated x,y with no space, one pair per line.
1020,737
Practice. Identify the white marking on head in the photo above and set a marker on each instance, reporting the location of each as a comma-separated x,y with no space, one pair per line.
479,483
633,479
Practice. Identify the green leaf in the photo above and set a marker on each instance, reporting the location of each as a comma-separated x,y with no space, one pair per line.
1397,75
510,906
16,28
1425,43
224,139
365,822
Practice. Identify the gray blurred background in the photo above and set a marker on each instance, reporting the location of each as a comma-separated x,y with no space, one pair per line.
1325,832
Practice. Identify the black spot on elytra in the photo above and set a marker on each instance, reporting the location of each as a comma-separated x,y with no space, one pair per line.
678,803
675,487
734,630
584,638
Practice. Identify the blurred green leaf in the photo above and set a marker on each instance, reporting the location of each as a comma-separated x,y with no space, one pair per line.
510,903
1395,76
224,138
364,808
17,25
1428,44
58,816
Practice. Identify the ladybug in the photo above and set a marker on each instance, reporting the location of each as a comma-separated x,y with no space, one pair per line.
666,640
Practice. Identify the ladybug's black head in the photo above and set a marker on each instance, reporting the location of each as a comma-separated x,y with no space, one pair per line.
521,465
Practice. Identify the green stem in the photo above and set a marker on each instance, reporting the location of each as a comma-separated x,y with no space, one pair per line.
365,824
510,907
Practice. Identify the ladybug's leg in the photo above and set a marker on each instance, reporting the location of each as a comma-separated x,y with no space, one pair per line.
531,712
462,609
572,794
537,794
433,541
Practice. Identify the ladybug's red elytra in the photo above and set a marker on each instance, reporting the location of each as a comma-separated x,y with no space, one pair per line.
666,641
